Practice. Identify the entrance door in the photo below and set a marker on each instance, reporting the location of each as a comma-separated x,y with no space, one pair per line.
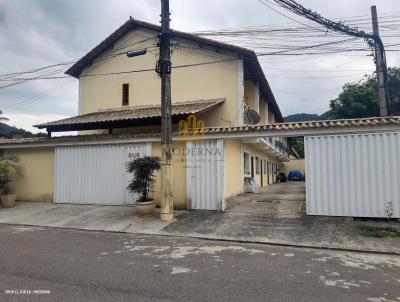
205,175
262,172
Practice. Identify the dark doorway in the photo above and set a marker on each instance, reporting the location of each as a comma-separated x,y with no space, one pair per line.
252,166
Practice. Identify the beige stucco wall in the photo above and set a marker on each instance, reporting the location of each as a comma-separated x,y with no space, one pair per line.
264,157
179,176
271,117
198,82
262,111
294,164
233,167
249,93
37,180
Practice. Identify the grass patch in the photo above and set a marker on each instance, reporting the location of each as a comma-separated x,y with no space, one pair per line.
380,232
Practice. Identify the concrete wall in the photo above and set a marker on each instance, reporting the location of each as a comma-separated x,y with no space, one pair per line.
179,175
219,80
37,180
233,167
249,94
264,157
262,109
294,164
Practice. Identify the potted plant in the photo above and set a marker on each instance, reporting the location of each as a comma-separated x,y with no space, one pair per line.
9,168
143,169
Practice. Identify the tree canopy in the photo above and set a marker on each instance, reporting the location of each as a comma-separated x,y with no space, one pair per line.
361,99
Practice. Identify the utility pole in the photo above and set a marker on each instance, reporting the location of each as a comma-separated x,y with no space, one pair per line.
164,70
380,64
380,61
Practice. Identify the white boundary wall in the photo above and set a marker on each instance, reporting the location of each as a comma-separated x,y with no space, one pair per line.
353,175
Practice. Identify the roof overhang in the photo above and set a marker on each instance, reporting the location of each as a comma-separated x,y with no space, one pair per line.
126,117
316,128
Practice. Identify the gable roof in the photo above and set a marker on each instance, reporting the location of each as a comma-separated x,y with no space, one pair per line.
252,67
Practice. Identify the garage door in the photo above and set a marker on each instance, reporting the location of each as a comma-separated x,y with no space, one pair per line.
205,175
95,174
353,175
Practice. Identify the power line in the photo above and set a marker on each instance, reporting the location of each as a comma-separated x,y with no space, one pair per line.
282,14
34,98
49,73
152,69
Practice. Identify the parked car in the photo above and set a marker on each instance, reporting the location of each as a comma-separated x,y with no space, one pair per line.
296,175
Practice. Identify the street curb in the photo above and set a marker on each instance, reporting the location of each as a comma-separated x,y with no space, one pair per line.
217,239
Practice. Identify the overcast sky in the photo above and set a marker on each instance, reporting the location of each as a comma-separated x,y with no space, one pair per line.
35,33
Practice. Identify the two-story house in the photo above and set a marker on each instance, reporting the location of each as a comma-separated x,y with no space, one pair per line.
119,118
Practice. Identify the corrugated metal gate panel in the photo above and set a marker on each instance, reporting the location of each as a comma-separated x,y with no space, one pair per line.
205,175
353,175
94,174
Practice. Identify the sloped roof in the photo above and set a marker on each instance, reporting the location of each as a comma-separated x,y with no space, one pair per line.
252,67
362,123
133,113
324,124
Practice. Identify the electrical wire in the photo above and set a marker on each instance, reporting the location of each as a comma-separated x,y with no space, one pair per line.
33,99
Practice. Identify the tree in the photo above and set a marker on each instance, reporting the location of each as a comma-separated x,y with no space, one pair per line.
361,99
3,118
393,88
356,100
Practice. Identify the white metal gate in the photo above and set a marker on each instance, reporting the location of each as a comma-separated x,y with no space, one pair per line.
95,174
205,175
353,175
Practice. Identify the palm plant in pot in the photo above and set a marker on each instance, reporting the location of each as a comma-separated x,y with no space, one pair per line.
9,168
143,169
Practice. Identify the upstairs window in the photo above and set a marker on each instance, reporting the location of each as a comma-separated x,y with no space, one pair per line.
125,94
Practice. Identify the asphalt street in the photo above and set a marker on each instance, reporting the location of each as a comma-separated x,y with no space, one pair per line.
50,264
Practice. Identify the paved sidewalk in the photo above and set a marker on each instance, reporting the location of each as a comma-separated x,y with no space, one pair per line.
83,217
306,231
296,230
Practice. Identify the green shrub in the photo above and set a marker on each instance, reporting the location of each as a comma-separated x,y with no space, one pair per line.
375,231
9,168
143,175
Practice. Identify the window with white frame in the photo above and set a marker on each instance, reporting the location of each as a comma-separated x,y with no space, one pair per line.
257,165
246,163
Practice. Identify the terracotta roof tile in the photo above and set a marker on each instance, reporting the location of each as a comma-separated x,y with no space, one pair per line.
360,122
135,113
363,122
